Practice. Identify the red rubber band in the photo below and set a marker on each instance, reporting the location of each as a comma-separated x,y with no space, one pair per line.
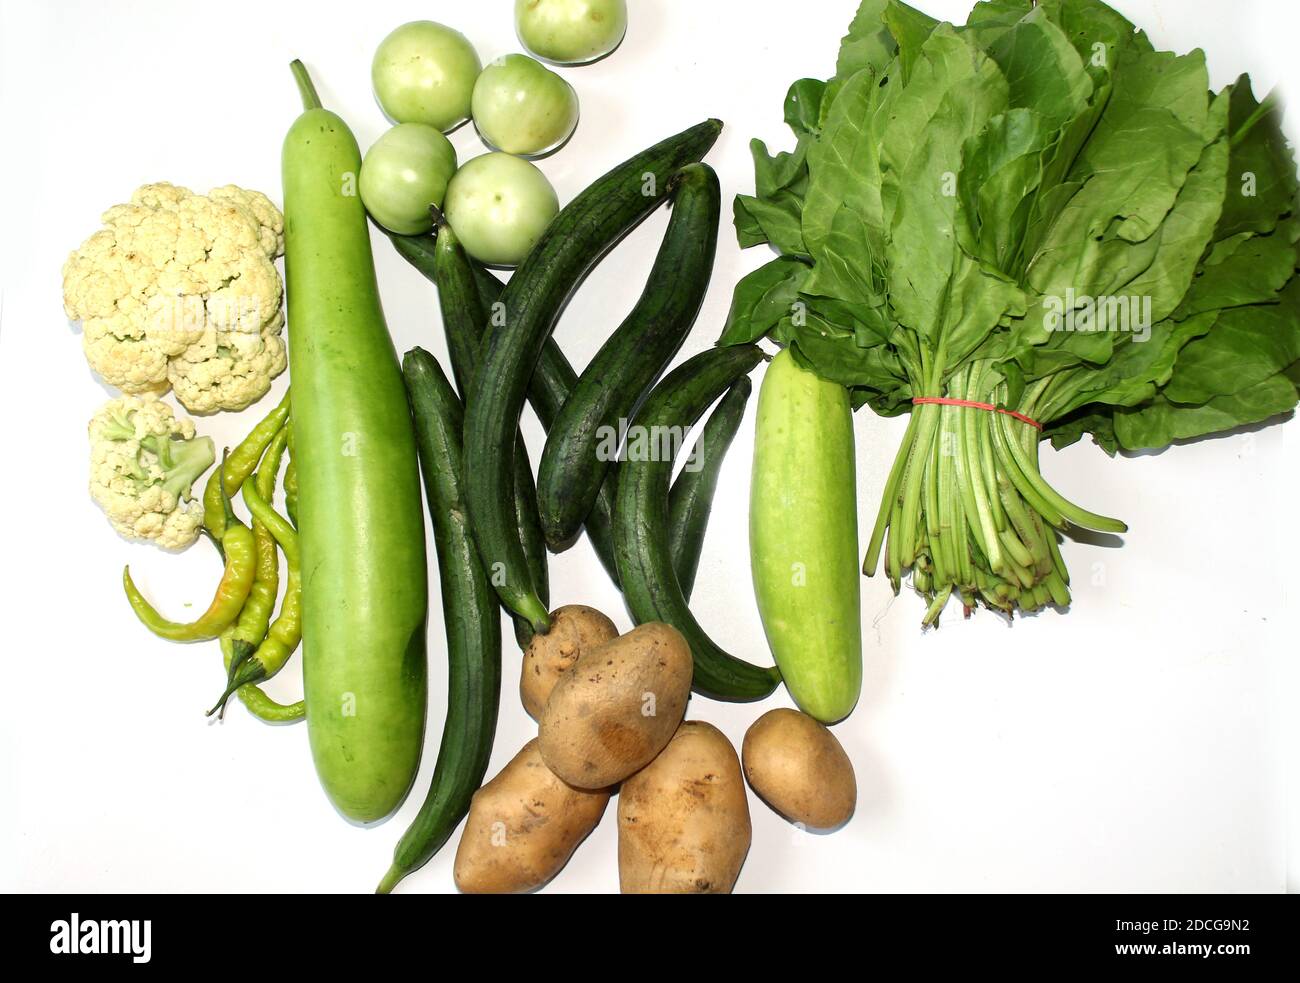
978,406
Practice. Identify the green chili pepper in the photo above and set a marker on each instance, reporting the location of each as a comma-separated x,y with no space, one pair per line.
232,592
238,466
255,699
241,639
285,632
250,628
291,490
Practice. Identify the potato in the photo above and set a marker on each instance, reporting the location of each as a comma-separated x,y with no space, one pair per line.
523,826
617,707
575,628
683,820
799,768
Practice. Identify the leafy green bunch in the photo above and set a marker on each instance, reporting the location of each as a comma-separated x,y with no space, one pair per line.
1035,211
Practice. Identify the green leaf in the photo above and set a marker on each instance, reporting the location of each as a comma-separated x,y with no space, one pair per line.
1186,231
1043,71
1161,422
1262,172
1072,429
774,220
1055,188
868,44
803,106
1138,365
869,323
951,188
998,185
832,352
1244,269
774,173
953,93
1130,172
761,299
911,30
990,19
1247,345
1101,35
748,231
843,220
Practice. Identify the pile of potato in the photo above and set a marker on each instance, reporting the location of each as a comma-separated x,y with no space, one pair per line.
610,711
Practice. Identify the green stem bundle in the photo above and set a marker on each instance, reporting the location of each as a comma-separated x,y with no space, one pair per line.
966,508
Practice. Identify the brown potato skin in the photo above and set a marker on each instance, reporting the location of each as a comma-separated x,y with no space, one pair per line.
798,767
593,732
575,628
523,826
683,820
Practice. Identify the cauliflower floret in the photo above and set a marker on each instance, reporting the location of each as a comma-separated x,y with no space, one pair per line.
143,463
266,214
174,271
227,370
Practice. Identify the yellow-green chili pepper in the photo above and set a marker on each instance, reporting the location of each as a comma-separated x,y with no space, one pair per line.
291,491
240,640
232,592
250,628
285,632
258,703
239,465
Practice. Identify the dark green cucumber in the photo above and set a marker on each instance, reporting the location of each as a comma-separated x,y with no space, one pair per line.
489,290
530,537
533,300
548,389
553,381
463,310
464,320
691,499
469,610
627,366
641,518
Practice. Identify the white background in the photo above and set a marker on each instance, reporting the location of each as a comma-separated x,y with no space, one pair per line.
1141,742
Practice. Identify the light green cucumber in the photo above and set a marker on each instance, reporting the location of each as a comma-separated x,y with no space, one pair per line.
803,537
360,519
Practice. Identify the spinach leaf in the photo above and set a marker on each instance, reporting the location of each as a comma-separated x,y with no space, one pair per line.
1036,210
762,299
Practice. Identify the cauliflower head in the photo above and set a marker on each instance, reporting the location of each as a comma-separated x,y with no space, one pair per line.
143,463
178,277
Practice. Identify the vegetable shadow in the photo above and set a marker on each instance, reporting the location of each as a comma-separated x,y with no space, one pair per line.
1090,537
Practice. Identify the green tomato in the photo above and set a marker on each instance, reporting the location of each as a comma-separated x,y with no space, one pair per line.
499,205
424,73
571,32
404,172
522,107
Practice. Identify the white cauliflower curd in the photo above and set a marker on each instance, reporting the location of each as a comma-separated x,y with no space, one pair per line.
180,291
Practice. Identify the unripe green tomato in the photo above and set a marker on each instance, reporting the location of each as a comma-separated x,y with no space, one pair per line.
522,107
499,205
424,73
404,172
570,32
